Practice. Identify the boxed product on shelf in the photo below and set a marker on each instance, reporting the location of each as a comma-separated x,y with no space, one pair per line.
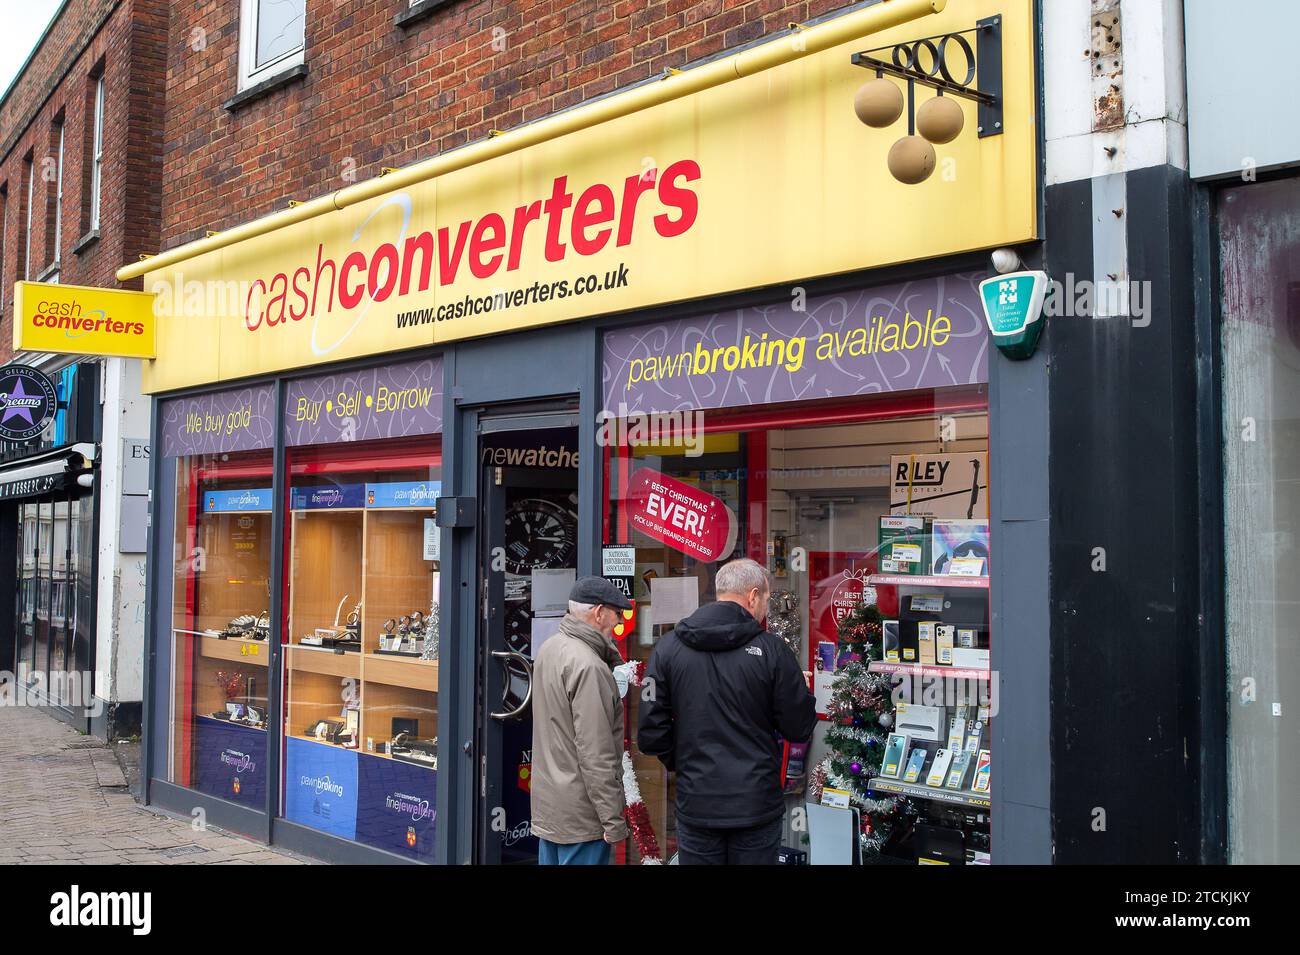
891,765
956,731
980,783
970,658
925,641
915,764
903,545
943,644
890,642
959,548
939,768
919,722
957,772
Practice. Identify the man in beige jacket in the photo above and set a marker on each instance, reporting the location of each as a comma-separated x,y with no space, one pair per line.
577,772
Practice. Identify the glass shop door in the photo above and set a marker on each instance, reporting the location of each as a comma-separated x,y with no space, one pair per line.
528,548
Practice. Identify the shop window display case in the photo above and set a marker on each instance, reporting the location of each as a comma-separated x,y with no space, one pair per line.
221,625
841,509
361,660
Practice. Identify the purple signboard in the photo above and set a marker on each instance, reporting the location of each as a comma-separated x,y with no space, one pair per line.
924,334
241,419
393,401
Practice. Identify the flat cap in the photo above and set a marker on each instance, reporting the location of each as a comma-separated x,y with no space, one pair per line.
598,590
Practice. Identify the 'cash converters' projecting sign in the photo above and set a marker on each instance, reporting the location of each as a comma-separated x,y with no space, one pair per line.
76,320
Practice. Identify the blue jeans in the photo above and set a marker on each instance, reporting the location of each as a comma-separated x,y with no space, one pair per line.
579,853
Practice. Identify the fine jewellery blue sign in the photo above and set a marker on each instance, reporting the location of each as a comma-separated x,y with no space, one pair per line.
1013,308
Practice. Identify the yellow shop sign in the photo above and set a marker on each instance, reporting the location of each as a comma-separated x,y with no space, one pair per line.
76,320
766,178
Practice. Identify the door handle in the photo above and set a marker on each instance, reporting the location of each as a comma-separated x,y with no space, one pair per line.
506,658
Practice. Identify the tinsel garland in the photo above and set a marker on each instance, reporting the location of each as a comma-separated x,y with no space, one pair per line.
636,813
638,817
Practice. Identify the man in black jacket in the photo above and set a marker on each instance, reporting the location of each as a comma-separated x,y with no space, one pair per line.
719,689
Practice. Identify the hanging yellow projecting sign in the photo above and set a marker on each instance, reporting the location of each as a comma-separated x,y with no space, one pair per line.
76,320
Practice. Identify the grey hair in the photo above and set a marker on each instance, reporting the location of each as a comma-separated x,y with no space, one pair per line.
579,609
742,576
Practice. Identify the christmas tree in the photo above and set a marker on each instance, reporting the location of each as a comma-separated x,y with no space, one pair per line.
861,711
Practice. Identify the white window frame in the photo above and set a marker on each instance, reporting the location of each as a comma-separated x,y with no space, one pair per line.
97,154
4,242
58,201
31,196
249,73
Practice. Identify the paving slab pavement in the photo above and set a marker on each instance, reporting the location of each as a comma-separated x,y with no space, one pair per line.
65,800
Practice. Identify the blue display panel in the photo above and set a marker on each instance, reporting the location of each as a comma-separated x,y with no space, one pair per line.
247,499
320,786
404,494
230,761
327,497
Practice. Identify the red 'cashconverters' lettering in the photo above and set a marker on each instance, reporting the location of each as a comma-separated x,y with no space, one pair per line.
599,216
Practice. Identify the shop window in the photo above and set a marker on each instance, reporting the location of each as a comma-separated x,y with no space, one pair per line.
221,598
361,664
1260,256
869,513
28,586
271,39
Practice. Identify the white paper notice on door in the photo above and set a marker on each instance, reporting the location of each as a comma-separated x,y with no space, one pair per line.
431,539
543,629
551,590
672,598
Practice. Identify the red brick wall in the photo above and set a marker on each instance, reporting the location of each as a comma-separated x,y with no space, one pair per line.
128,38
378,95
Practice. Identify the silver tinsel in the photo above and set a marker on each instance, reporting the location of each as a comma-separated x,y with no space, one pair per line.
783,618
431,634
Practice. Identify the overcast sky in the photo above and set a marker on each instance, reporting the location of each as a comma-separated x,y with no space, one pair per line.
24,22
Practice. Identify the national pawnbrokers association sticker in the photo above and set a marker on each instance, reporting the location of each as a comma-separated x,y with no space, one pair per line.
27,402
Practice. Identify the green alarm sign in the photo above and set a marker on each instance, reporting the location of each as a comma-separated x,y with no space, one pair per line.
1013,308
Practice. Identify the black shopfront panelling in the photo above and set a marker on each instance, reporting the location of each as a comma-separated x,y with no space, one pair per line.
1125,641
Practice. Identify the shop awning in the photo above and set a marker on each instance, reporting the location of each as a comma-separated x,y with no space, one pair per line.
46,472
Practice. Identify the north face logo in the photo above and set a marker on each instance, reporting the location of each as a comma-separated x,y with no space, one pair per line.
755,651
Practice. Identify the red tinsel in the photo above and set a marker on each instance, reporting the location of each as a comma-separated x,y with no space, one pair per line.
643,833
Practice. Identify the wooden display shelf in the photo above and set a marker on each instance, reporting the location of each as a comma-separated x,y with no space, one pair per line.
379,755
323,661
409,672
252,652
320,742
